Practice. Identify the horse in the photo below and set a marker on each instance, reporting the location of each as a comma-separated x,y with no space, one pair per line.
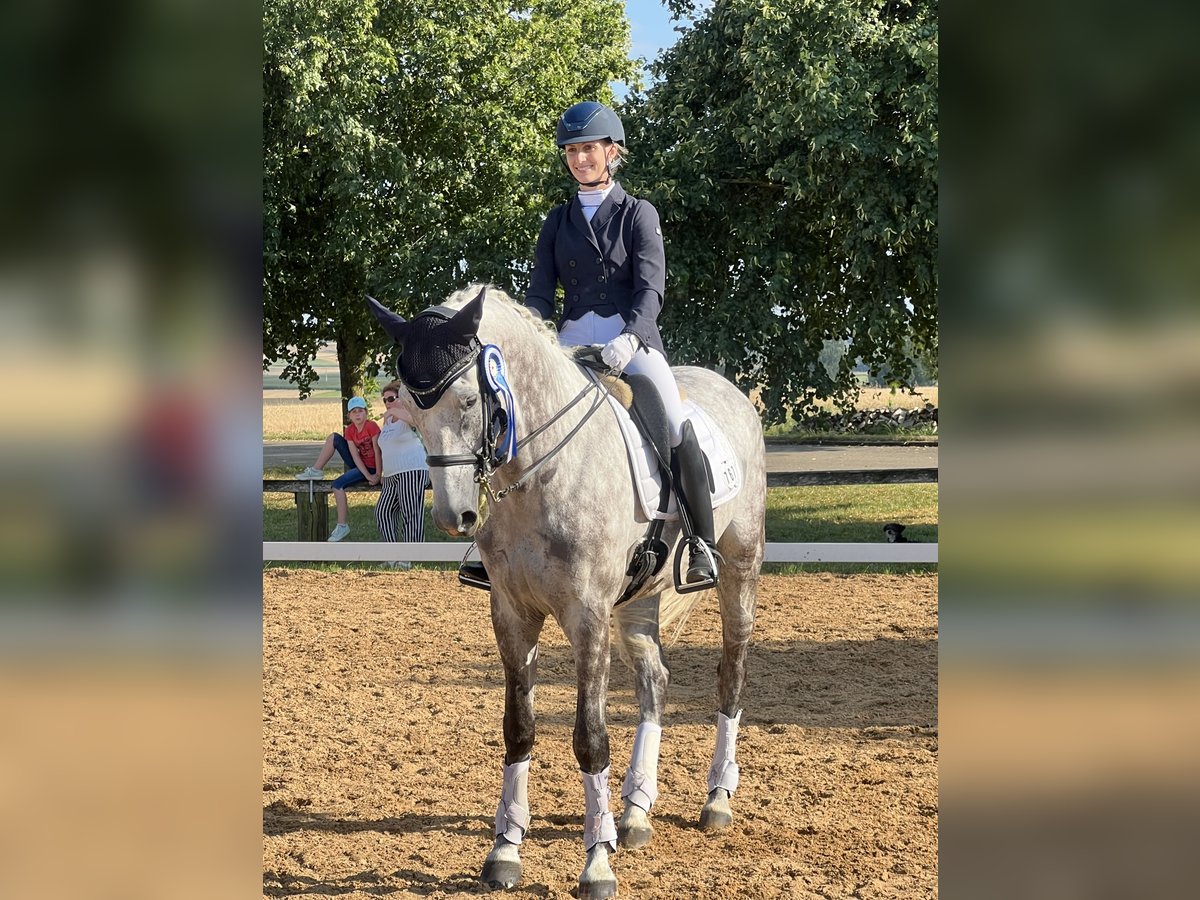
562,521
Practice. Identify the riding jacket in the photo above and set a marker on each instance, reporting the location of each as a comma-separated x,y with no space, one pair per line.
613,265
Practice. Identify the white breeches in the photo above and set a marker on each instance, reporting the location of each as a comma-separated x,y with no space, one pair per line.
594,329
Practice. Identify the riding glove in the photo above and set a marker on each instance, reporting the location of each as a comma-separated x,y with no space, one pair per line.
619,351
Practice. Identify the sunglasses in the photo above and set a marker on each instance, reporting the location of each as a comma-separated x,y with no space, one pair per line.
388,399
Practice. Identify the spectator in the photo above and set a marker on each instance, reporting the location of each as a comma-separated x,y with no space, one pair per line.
401,505
359,449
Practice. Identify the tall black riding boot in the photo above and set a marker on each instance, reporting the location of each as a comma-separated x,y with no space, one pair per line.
691,477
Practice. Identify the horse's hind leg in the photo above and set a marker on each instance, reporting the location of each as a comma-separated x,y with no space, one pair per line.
588,633
516,637
641,650
738,590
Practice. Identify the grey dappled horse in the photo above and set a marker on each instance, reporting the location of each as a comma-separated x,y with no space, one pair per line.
558,544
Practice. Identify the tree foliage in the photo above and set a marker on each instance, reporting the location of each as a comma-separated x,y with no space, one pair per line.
791,149
408,149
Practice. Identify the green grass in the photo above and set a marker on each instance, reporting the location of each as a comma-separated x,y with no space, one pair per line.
921,434
851,513
794,515
279,524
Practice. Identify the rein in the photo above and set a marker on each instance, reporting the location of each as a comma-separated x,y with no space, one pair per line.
520,482
481,459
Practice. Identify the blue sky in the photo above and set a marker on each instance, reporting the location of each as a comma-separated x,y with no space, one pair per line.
651,30
650,26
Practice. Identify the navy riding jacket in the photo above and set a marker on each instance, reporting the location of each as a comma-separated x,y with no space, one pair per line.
613,265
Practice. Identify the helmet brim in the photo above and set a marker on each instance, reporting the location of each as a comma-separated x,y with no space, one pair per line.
584,138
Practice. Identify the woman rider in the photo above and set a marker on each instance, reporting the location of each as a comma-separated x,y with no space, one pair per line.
605,248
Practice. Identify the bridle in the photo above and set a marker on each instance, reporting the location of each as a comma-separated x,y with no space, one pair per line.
488,458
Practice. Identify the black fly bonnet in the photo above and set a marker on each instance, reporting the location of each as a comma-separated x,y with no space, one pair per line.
433,355
434,347
437,346
440,344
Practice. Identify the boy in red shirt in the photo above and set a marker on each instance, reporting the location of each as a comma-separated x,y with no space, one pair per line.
359,450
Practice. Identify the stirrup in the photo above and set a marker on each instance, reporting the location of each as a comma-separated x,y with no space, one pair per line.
472,573
696,545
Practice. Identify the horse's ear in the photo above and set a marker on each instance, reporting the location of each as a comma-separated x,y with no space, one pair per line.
466,320
396,326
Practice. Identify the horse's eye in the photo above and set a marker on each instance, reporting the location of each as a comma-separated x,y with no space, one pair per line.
472,400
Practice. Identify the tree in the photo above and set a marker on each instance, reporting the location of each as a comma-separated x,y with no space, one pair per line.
791,150
408,149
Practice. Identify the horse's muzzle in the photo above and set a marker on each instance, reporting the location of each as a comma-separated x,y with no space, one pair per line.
457,524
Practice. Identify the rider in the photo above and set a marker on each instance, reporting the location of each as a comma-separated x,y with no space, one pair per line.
606,250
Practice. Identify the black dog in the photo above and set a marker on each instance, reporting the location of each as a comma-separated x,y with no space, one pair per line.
895,533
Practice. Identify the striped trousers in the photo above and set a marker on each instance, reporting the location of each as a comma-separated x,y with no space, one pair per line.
402,500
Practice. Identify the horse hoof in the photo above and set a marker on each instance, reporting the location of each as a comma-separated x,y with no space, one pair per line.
502,868
598,890
716,813
634,830
501,875
597,881
634,837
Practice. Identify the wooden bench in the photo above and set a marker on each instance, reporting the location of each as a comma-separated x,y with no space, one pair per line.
312,503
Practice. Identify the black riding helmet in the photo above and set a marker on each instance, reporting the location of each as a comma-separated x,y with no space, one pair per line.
589,121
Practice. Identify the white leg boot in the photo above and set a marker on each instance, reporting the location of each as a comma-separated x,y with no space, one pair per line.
512,814
722,775
599,839
641,781
502,868
724,770
640,789
598,824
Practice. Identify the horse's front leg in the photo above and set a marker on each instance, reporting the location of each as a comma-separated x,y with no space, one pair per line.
589,639
641,650
516,637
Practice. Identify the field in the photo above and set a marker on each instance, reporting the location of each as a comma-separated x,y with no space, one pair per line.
382,712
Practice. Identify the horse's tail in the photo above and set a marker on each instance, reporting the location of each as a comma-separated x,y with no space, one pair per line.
673,611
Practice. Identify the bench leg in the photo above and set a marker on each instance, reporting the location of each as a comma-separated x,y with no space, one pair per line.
312,516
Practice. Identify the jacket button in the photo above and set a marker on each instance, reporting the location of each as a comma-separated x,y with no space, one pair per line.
574,281
571,264
600,278
603,295
574,296
599,260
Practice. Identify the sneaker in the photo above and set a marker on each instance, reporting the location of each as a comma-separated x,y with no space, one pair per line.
311,474
338,533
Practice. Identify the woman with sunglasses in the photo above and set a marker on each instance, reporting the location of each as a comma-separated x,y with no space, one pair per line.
401,505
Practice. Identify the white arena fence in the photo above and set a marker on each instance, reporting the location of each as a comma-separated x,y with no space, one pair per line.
319,550
364,551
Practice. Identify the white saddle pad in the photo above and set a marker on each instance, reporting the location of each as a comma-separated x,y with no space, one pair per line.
727,471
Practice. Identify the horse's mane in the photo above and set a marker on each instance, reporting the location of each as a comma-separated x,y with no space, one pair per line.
495,296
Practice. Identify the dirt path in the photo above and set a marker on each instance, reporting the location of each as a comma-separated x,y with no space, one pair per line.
382,736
